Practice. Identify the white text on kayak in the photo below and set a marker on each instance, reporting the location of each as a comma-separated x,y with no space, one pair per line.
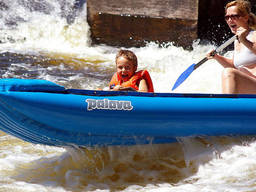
106,104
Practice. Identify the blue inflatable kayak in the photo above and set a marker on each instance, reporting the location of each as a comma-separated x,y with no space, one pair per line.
43,112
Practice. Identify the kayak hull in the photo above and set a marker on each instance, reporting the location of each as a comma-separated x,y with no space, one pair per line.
69,117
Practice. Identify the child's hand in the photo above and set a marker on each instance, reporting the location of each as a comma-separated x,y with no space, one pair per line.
120,88
116,88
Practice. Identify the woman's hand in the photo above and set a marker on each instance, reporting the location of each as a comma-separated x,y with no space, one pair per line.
211,54
242,34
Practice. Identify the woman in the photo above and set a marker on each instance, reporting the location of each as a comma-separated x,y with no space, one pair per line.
239,75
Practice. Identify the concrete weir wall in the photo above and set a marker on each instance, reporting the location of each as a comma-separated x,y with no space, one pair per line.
130,23
133,22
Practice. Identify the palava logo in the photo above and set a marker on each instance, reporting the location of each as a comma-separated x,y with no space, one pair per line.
108,104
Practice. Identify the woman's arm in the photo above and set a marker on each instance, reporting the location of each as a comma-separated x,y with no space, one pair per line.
224,61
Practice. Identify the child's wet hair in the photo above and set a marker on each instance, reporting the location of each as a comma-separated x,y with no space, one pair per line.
129,55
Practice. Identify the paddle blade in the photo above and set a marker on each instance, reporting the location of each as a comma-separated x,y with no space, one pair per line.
184,76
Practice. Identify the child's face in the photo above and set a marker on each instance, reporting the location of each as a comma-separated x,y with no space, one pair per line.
125,68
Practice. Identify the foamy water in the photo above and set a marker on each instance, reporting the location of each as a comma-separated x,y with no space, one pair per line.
50,40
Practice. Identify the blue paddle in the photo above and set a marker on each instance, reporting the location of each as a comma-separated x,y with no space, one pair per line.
194,66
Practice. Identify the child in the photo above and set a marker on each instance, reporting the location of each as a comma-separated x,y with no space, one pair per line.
126,77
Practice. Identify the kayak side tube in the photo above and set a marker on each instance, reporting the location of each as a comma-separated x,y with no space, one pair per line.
89,118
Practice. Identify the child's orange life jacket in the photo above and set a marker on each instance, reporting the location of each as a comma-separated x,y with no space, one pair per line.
134,81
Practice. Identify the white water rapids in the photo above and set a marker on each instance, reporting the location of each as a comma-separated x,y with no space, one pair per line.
50,39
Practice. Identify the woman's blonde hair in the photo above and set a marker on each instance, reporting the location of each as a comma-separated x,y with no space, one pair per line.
244,8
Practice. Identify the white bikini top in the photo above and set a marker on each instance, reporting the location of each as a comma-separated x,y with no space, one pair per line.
245,56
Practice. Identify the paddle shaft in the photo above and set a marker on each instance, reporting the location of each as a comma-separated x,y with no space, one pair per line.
219,49
200,63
